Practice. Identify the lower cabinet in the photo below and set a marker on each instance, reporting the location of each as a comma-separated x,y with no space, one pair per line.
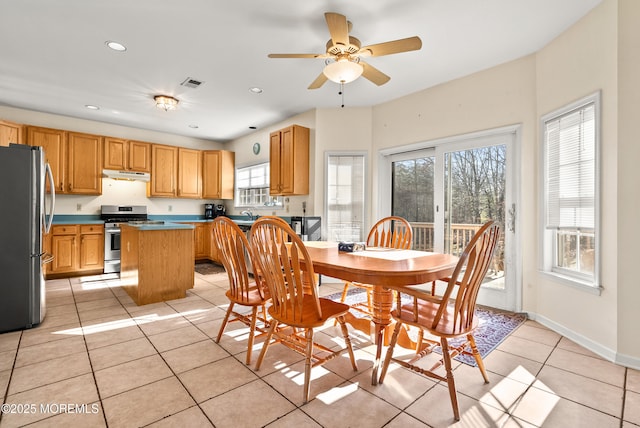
202,240
76,249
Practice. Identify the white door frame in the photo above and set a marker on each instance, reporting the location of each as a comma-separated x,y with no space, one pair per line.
511,297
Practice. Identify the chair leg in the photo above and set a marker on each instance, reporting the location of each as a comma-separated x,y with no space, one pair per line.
450,382
347,340
344,292
307,363
392,344
266,345
252,333
224,322
478,357
345,289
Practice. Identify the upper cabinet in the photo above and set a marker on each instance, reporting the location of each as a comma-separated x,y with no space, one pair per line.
84,169
127,155
164,169
218,174
10,133
54,143
189,173
289,161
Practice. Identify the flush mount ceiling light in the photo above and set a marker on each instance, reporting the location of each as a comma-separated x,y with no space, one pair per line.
115,46
343,70
166,102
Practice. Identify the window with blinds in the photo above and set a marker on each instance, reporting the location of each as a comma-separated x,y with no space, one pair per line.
345,190
570,189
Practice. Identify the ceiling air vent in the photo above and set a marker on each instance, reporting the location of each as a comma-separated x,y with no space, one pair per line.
192,83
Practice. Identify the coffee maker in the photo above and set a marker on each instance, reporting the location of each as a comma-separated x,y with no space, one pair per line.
220,210
208,211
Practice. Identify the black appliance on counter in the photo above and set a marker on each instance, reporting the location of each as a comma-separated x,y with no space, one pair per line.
212,211
307,228
220,210
208,211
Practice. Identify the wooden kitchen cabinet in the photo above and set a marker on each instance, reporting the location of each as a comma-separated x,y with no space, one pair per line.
75,159
289,161
84,167
64,249
218,172
54,143
76,249
127,155
10,133
189,173
164,168
91,247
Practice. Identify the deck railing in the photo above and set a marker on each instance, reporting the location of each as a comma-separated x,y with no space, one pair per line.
461,234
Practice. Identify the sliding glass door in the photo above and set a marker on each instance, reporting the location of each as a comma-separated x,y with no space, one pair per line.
448,191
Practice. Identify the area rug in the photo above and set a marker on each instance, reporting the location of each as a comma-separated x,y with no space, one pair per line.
208,268
494,325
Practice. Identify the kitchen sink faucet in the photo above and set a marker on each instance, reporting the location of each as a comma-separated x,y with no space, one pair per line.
248,213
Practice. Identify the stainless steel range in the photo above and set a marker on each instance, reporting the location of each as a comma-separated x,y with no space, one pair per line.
113,216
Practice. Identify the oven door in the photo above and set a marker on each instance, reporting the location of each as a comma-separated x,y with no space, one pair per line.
111,249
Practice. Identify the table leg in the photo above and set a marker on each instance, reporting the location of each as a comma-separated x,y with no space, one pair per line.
382,303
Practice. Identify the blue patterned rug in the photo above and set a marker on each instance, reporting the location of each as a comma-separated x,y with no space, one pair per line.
494,325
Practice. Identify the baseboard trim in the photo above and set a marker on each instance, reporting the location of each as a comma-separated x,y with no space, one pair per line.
595,347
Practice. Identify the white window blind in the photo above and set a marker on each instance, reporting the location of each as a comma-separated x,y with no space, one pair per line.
345,197
570,182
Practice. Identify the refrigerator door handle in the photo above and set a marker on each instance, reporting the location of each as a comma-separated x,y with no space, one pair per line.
52,186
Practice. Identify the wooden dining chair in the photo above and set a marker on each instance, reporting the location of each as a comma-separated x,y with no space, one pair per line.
448,316
288,273
388,232
235,253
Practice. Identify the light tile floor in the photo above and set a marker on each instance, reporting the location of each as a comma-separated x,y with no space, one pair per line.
99,360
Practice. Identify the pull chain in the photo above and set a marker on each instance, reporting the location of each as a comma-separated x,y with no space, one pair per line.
341,93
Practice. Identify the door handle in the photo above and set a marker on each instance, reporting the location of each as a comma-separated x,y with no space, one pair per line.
512,218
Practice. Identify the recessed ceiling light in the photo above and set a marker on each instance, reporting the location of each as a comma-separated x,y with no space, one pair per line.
116,46
256,90
92,107
194,126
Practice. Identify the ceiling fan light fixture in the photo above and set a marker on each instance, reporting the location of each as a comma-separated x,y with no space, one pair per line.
166,102
343,71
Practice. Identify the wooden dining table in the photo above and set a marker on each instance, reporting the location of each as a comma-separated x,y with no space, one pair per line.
384,268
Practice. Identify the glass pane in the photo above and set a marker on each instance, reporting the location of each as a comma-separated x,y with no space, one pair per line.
345,198
474,189
413,198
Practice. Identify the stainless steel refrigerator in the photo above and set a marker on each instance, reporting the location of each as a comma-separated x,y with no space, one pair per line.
26,212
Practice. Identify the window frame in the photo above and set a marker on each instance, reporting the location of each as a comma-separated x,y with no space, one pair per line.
365,159
549,243
274,202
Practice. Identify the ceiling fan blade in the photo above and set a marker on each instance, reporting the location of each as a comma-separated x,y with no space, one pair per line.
338,28
297,55
318,82
373,74
388,48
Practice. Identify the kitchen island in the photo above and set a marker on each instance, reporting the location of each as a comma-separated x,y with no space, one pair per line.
156,260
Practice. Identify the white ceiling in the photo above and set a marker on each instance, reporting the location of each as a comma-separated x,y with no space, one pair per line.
53,56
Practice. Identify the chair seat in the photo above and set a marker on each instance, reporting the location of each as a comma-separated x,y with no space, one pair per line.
426,314
329,308
252,298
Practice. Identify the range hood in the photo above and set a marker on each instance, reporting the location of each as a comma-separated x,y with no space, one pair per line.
126,175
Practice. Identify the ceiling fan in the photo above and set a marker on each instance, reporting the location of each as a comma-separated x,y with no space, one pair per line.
344,53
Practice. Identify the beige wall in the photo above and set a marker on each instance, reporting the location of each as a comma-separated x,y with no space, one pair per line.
628,181
576,64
